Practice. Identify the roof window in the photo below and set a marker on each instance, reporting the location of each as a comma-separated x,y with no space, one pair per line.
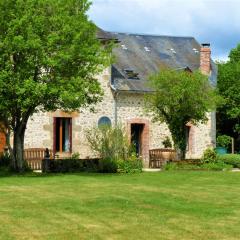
147,49
124,47
131,74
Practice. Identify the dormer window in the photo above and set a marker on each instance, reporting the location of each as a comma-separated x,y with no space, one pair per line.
131,74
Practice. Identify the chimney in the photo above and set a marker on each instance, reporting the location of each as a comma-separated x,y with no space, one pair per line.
205,59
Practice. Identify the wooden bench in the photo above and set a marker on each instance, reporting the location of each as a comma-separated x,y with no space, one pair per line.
34,157
158,157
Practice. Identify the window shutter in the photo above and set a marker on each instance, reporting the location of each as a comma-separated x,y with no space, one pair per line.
70,134
54,135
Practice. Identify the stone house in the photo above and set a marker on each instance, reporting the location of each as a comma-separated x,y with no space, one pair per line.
124,85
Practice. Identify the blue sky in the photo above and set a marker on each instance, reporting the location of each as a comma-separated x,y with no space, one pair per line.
213,21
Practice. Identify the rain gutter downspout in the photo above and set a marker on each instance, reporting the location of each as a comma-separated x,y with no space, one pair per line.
115,96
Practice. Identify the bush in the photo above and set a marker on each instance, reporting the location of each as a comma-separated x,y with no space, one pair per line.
111,144
232,159
107,165
216,166
180,166
71,165
223,141
131,165
5,160
209,156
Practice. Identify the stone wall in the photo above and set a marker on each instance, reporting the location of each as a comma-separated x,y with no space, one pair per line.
129,109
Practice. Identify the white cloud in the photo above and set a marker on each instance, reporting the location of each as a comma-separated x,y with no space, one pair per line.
214,21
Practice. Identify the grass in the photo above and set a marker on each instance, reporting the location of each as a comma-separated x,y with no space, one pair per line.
167,205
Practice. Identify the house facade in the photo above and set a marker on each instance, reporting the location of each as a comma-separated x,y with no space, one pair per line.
124,84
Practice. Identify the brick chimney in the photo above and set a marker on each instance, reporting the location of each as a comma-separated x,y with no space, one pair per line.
205,58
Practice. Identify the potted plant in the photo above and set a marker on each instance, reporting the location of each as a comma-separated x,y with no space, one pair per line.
168,153
167,142
223,142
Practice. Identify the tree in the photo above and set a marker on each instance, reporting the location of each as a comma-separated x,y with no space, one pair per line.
49,57
229,88
180,97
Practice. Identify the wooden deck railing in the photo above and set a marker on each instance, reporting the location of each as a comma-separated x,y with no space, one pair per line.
34,157
158,157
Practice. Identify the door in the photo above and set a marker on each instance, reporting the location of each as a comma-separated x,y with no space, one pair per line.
136,138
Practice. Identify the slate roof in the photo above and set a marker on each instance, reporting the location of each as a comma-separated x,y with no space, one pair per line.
137,56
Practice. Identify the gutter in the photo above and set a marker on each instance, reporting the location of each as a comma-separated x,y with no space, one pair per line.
115,95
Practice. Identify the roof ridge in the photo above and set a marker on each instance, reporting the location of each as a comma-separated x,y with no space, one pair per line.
148,34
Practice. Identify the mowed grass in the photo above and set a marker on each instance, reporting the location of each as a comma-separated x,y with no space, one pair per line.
166,205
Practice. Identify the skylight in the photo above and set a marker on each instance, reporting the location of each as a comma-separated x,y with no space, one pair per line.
147,49
124,47
172,50
131,74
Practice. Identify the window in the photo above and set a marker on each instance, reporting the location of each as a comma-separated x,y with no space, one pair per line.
104,121
62,135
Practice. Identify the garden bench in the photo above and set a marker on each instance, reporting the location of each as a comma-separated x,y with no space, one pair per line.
158,157
34,157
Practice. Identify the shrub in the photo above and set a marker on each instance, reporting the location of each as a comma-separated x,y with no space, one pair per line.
131,165
223,141
70,165
107,165
209,156
109,142
5,160
216,166
180,166
232,159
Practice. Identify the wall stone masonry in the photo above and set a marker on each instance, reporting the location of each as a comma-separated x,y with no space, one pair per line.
130,109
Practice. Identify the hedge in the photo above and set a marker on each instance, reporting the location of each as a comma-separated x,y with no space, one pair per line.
232,159
70,165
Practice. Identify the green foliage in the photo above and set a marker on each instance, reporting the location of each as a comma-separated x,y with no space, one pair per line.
75,155
130,165
224,141
216,166
232,159
49,59
180,166
229,86
73,165
109,142
5,160
209,161
108,165
167,142
209,156
180,97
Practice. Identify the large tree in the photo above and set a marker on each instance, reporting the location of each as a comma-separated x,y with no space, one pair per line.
49,58
229,88
179,98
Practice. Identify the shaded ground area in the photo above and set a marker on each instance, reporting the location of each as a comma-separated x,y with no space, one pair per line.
165,205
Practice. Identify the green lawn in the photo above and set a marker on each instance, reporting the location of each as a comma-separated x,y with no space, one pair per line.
167,205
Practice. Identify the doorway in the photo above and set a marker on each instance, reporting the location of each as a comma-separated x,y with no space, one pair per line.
136,138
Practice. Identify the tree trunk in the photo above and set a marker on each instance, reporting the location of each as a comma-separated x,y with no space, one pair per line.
181,155
18,148
13,160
